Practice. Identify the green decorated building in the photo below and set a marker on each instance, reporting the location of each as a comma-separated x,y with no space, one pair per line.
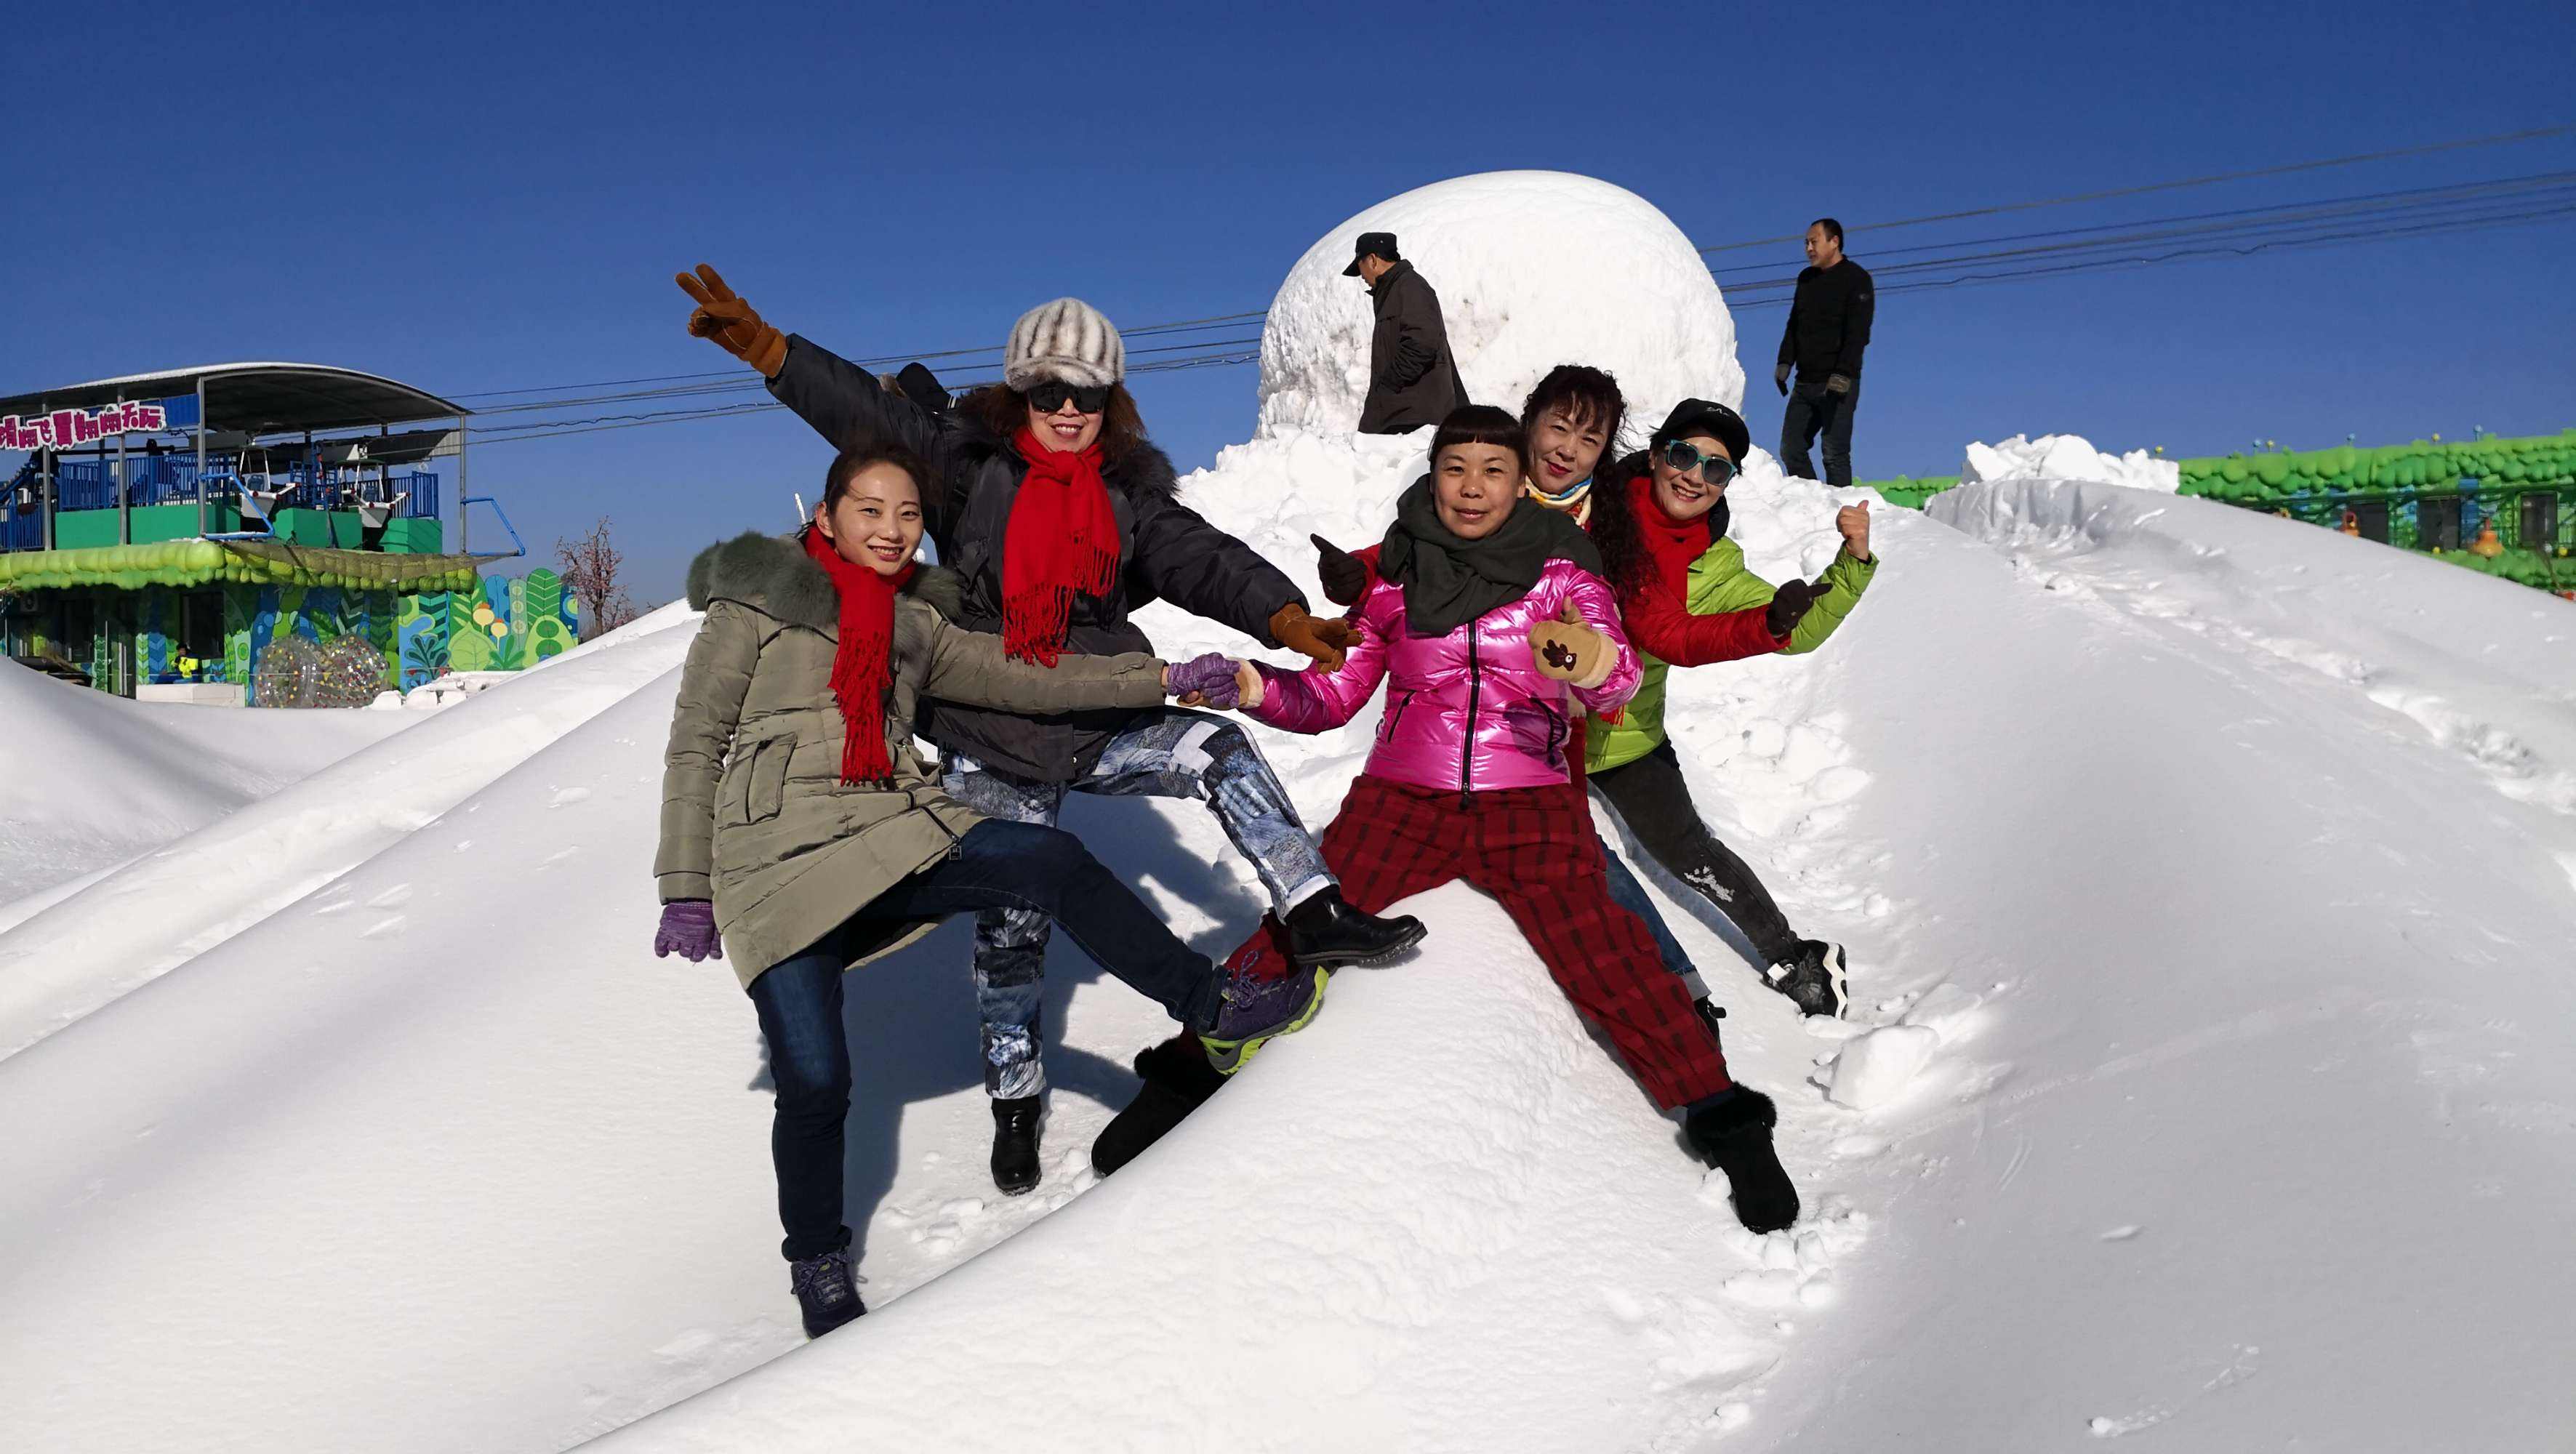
255,532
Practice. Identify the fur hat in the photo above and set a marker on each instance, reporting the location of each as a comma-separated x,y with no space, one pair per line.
1066,340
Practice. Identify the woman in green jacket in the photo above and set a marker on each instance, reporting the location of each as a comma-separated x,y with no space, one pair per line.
1660,520
801,833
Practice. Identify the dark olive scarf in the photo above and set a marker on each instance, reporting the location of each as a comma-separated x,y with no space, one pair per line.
1449,582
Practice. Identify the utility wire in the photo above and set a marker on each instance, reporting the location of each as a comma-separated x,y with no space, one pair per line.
2532,134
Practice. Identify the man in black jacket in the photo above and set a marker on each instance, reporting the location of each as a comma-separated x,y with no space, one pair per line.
1413,382
1828,328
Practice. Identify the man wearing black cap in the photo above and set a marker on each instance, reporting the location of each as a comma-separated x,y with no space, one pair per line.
1413,382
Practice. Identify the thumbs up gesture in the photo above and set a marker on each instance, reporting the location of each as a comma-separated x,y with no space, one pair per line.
1568,650
1853,522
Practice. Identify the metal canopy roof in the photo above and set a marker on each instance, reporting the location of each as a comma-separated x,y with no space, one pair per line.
259,398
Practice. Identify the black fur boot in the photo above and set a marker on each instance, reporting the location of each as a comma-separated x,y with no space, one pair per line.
1178,1080
1732,1132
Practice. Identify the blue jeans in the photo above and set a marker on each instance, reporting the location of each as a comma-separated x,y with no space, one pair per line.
1167,752
1629,894
1016,866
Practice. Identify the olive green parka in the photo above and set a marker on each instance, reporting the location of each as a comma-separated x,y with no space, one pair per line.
754,813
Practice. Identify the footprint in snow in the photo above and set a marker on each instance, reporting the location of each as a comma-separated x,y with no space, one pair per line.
384,928
566,797
392,898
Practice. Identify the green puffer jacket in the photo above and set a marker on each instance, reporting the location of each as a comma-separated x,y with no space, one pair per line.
1718,584
754,813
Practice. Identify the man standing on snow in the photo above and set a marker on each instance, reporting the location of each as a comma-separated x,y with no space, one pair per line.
1828,328
1413,382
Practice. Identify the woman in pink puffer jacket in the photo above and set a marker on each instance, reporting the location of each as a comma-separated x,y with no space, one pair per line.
1492,628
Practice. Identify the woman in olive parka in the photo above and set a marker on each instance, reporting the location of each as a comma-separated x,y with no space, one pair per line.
801,832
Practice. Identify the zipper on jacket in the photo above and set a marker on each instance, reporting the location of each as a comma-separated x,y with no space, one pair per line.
956,845
1396,718
1467,746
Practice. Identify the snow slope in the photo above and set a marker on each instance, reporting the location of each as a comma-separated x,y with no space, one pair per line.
94,779
2206,879
104,935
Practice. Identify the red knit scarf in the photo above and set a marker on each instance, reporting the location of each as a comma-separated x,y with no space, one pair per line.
1672,544
864,665
1062,542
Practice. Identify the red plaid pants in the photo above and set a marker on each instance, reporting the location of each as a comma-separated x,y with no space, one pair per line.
1535,850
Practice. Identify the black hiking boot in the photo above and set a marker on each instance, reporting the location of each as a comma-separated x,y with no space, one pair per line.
1325,932
1015,1144
1813,979
1732,1132
826,1291
1178,1080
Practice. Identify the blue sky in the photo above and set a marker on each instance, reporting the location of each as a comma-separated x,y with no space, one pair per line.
474,198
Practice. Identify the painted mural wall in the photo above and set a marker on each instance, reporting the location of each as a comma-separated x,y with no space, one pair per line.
503,624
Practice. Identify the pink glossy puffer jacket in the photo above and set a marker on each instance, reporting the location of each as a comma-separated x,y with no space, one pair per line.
1468,710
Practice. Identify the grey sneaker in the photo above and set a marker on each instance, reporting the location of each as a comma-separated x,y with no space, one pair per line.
1813,979
826,1291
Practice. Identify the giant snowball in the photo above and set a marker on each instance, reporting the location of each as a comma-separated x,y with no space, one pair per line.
1534,269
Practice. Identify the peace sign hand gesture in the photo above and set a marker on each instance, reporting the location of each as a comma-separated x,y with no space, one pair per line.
733,323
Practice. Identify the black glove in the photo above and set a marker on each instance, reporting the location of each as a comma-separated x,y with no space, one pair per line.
1789,606
1837,383
1345,579
1780,376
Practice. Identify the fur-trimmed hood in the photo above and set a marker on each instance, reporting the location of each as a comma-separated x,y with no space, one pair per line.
772,574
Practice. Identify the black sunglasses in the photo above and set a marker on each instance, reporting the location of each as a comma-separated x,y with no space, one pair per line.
1717,469
1048,397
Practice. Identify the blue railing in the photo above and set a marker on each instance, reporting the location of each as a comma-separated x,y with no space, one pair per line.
170,479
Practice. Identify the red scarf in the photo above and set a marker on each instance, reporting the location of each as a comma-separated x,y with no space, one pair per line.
864,665
1672,544
1062,542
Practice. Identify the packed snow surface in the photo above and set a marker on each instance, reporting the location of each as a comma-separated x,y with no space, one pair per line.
93,780
2205,878
1533,269
2067,457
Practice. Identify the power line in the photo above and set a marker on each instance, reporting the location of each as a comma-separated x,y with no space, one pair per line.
2531,134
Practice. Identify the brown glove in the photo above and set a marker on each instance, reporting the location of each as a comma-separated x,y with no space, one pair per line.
732,323
1569,650
1327,641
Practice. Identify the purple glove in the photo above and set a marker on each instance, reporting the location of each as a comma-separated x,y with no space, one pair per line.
1211,676
688,929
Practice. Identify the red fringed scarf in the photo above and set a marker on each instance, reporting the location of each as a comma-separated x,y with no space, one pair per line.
1062,542
1672,544
864,664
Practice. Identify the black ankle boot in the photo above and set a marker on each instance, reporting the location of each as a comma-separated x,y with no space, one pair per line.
1015,1144
1324,932
1178,1080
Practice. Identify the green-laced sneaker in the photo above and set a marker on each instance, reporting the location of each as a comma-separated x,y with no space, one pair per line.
1258,1012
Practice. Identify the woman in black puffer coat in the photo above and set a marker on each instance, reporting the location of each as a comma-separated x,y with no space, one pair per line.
1063,518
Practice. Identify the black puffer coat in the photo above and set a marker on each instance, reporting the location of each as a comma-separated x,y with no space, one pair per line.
1167,551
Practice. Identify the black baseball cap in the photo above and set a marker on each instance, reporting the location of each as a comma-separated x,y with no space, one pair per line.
1706,416
1372,244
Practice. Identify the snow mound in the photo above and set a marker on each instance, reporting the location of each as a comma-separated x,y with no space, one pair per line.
92,779
1534,269
92,941
2068,457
